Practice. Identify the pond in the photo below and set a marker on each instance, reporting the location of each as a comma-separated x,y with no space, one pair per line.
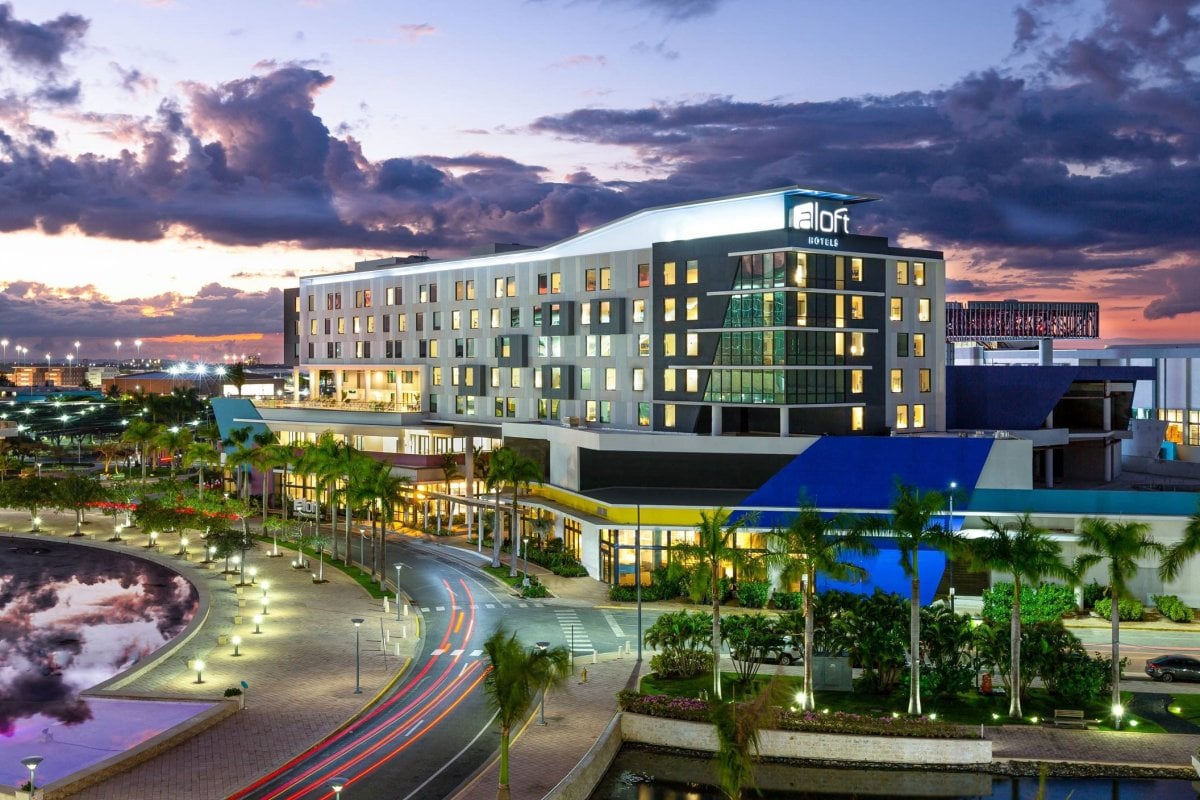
642,774
71,617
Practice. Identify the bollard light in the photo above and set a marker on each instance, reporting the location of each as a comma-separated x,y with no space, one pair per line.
212,552
265,585
37,522
1118,711
237,645
183,544
199,665
253,572
258,623
265,600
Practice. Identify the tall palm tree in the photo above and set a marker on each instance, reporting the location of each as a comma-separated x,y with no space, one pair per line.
911,523
450,471
1121,544
202,454
516,676
141,434
382,489
1027,552
238,439
1181,552
173,440
811,545
715,547
324,460
509,468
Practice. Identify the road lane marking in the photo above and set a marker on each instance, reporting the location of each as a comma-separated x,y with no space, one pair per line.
456,653
612,623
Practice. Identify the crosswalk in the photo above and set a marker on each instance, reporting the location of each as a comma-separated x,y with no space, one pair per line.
574,633
477,606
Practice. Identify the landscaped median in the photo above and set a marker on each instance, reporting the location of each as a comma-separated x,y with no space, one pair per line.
683,723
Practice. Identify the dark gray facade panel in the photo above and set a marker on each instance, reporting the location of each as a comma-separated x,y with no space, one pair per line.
604,469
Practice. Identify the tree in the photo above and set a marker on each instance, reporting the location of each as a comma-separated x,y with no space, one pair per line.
911,524
811,545
202,454
1121,544
238,439
1181,552
517,674
264,458
1027,552
78,492
175,440
380,491
750,638
32,493
716,546
507,467
450,471
110,452
236,374
141,434
682,639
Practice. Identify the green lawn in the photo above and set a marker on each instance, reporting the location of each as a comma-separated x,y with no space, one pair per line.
363,578
964,709
1186,706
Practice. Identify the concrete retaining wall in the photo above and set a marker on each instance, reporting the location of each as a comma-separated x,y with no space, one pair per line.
817,746
581,781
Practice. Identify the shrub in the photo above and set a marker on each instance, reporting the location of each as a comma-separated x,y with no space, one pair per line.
535,588
788,601
1091,593
1038,604
233,691
623,594
661,705
1127,609
1172,607
682,663
1078,678
753,594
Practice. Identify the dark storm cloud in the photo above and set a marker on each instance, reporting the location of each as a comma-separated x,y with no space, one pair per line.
40,47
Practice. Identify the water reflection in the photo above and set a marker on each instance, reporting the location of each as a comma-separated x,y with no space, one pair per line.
643,774
72,617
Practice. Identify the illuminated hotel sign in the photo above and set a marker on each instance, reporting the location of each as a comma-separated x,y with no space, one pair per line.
811,216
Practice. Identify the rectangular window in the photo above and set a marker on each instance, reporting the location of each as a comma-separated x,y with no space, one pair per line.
473,316
691,380
510,287
693,271
537,316
387,323
923,309
643,276
639,379
639,310
919,345
606,411
341,325
918,269
555,282
668,380
610,379
495,376
918,416
693,308
668,273
543,284
455,320
358,299
370,324
605,278
433,348
356,324
643,415
668,344
606,345
668,309
312,302
366,298
585,313
902,345
312,326
856,269
856,418
589,412
856,344
897,312
856,306
669,415
591,346
901,417
589,280
556,378
925,380
514,378
437,320
419,321
897,381
692,344
902,273
856,381
498,287
605,312
514,317
389,296
401,323
643,344
423,293
585,378
433,292
495,318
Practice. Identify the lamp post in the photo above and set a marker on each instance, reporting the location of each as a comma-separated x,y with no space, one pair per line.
525,546
199,665
950,529
541,646
77,348
398,565
237,646
337,783
117,344
31,763
258,623
138,344
4,344
358,621
637,556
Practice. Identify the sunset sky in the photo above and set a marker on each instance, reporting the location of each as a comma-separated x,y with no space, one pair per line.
167,167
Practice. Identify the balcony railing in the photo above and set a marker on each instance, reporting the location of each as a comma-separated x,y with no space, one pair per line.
329,404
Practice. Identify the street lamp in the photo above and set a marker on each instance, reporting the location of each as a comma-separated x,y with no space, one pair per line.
77,348
138,344
950,529
525,541
358,621
541,646
4,344
337,783
637,574
31,763
117,344
398,565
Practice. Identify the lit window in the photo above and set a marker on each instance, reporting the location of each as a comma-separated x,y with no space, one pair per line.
925,380
918,268
856,344
856,269
902,272
643,276
455,320
856,307
514,378
643,344
923,307
590,411
669,415
639,310
474,315
692,341
495,318
856,381
605,312
668,380
901,417
639,379
919,345
669,273
856,418
585,313
802,308
610,379
585,378
606,345
668,309
591,345
897,313
693,308
918,416
605,278
691,380
643,415
495,374
693,272
356,324
499,287
897,380
555,282
370,324
589,280
668,344
801,275
510,289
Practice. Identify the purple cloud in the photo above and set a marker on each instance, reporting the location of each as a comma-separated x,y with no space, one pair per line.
40,47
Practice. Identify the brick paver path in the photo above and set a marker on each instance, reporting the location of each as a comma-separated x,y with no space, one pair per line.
1030,743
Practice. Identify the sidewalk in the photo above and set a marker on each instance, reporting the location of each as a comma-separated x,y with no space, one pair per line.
300,669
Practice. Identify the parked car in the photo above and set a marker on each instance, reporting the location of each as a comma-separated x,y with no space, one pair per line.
789,651
1173,668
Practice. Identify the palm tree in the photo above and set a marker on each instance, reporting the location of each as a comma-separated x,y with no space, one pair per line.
237,439
1027,552
1179,553
912,526
322,460
202,454
815,545
716,546
516,676
236,374
110,452
264,458
141,434
508,467
382,490
1121,544
450,471
174,440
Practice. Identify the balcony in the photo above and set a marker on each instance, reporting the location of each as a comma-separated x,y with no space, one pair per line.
329,404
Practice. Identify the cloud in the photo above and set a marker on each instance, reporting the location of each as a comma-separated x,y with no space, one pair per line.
414,32
1182,296
133,79
659,49
39,47
580,61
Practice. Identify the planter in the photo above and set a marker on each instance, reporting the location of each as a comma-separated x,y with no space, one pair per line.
1196,765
